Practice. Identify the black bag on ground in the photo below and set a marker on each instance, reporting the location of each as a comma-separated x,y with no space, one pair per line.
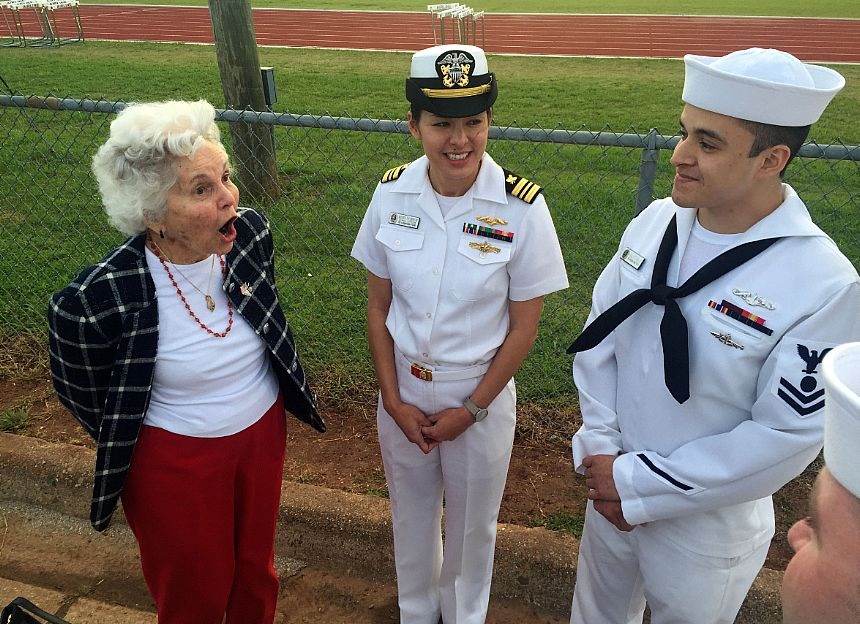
22,611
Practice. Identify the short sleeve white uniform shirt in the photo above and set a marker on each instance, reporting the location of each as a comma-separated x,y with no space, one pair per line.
450,293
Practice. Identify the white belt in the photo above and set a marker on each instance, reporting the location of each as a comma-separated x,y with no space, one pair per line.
428,373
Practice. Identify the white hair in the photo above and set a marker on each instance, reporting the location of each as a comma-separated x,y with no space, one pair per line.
135,167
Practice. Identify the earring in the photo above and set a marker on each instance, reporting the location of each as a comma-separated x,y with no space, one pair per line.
161,233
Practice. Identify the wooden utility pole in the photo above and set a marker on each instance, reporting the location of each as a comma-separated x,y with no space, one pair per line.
239,65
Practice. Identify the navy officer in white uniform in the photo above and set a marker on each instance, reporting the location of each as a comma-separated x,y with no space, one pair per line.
699,370
460,254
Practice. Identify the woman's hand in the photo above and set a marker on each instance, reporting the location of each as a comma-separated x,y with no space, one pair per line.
448,424
412,422
409,418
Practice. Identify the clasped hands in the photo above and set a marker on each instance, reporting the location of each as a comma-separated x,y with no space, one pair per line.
602,491
426,431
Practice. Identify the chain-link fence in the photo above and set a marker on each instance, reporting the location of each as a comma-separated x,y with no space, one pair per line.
325,170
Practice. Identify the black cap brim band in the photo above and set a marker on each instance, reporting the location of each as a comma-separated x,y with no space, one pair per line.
464,102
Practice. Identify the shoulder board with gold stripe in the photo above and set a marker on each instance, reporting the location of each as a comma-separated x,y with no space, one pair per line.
393,173
521,188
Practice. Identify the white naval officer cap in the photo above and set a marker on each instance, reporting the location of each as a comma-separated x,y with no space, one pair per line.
451,80
841,373
764,85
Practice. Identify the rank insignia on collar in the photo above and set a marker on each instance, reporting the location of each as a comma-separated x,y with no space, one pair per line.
485,247
632,258
726,339
492,220
404,220
753,299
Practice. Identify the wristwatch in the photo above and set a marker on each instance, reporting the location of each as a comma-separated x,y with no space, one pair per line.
478,413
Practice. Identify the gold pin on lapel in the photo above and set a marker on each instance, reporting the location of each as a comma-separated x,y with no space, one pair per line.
485,247
492,220
245,289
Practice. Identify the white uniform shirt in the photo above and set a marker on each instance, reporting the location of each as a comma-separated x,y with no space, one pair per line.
754,419
449,303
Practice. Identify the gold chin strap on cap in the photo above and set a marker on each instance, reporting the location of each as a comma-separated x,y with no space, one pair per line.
456,93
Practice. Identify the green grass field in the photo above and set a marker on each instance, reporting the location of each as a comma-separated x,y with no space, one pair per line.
53,223
816,8
534,91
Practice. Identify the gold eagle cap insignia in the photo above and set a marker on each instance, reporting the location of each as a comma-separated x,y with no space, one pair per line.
454,69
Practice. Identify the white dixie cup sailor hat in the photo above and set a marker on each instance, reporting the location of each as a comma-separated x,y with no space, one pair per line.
764,85
841,374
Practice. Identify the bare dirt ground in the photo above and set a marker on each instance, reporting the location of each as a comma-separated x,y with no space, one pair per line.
541,483
62,565
541,487
346,458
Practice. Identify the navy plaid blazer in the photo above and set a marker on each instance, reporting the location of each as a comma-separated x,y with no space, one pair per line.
104,336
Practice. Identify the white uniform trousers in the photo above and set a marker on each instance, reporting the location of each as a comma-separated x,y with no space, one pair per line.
617,572
471,471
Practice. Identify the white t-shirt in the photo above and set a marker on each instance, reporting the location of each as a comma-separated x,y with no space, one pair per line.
448,203
204,386
702,247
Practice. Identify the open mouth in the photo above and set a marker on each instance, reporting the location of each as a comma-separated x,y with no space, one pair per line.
228,230
461,156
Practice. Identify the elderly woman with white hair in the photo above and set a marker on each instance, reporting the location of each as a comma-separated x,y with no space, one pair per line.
174,354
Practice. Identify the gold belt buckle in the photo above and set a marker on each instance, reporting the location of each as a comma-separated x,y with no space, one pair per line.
422,372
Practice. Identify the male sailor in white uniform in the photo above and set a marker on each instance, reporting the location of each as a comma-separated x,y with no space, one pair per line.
699,369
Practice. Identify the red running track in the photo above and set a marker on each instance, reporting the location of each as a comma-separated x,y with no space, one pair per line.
822,40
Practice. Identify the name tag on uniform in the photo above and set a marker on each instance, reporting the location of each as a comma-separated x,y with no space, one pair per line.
404,220
632,258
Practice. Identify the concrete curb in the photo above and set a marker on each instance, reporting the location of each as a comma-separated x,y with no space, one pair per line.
340,530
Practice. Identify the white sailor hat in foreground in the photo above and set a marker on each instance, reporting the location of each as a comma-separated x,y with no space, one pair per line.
764,85
841,372
451,80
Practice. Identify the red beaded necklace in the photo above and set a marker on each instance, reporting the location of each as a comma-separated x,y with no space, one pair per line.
160,255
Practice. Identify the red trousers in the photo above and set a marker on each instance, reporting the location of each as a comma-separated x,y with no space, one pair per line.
204,512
